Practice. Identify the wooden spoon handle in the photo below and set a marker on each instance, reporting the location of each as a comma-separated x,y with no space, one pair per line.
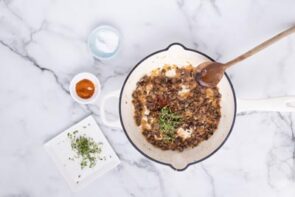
261,46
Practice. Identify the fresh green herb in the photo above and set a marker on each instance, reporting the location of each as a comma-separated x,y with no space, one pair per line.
169,121
86,149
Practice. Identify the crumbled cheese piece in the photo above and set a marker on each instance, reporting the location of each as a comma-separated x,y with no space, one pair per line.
184,133
146,111
170,73
184,90
149,87
144,123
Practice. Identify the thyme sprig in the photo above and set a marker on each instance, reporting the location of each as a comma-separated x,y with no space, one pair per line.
168,121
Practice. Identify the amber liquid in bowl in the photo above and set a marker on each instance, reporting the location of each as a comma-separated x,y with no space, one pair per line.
85,89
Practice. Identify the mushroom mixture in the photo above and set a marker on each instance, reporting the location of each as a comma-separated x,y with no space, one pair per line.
173,111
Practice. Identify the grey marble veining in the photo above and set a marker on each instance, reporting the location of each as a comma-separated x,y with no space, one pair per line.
43,45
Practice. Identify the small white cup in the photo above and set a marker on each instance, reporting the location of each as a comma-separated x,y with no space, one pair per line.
80,77
104,55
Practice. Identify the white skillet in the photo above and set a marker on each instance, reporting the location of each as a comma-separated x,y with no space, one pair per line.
179,55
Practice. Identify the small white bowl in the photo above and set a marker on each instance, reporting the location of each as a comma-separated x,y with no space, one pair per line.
80,77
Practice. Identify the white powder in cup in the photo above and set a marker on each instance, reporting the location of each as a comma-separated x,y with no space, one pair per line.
106,41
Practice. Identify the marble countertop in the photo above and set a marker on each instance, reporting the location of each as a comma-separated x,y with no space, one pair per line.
43,45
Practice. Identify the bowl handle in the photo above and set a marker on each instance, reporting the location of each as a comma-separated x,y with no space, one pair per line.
115,123
278,104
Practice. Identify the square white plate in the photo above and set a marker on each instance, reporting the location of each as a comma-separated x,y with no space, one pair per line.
60,150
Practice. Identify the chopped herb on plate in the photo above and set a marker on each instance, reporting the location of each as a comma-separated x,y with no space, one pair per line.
86,149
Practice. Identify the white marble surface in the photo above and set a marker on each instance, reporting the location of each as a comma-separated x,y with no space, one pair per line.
43,44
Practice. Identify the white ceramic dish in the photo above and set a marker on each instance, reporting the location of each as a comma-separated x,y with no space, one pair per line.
80,77
60,150
179,55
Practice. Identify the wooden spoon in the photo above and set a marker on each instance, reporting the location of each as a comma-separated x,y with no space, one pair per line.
210,73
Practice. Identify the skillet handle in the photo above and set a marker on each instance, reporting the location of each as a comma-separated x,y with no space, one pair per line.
115,123
278,104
